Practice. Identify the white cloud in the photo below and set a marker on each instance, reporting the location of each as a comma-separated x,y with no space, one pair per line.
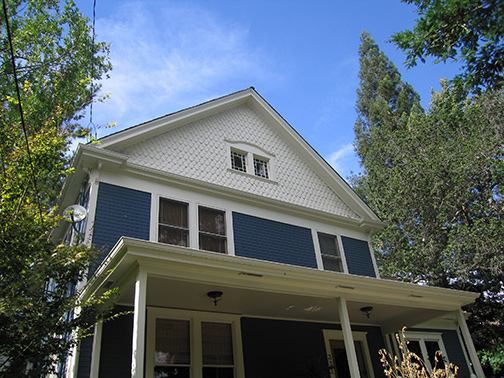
172,56
344,160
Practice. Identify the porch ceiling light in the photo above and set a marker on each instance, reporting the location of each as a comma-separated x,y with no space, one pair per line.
367,310
215,296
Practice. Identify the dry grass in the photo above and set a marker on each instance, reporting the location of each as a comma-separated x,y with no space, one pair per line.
410,365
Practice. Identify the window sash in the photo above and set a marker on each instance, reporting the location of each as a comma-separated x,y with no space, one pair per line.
212,230
173,222
329,249
261,168
217,344
177,340
172,342
238,161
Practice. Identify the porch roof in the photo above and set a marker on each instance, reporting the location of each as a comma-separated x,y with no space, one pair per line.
180,277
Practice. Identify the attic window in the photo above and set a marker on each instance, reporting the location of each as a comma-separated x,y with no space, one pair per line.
239,161
261,167
252,160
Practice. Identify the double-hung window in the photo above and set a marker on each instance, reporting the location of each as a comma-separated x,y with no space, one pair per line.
329,249
173,223
212,230
190,346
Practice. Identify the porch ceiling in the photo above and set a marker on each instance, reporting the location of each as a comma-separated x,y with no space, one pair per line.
164,292
180,278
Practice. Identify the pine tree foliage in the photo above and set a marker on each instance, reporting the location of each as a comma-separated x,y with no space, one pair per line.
56,61
436,179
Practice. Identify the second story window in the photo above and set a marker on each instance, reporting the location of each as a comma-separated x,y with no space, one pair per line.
212,230
173,225
329,249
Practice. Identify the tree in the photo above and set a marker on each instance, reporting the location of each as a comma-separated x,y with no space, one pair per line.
471,31
384,103
55,61
436,179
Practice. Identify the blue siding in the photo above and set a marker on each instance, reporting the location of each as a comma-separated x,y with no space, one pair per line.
454,349
85,352
264,239
116,345
120,212
280,348
455,352
358,257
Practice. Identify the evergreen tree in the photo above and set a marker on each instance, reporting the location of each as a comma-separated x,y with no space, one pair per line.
436,179
384,103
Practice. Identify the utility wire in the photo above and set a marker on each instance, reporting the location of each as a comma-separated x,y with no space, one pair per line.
92,74
34,179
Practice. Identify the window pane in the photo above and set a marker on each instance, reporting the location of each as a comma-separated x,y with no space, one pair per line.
261,168
414,347
328,244
171,371
218,372
212,221
212,243
172,342
171,235
173,213
432,347
332,263
238,161
217,344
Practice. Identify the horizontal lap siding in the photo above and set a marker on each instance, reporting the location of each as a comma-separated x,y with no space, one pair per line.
268,240
358,257
120,212
116,346
85,353
454,349
278,348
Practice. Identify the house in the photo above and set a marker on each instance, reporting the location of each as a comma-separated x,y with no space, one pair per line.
240,252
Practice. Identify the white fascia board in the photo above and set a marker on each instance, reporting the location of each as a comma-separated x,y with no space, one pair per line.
319,164
171,121
184,263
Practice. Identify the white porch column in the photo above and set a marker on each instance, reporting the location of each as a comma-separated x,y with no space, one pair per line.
95,356
473,356
137,358
348,338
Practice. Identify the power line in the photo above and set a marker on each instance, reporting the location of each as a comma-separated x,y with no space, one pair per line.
92,74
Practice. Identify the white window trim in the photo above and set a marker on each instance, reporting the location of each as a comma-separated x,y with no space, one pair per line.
251,152
192,221
227,224
331,334
422,337
195,319
318,252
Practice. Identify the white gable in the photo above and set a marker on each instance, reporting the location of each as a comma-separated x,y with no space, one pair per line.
200,150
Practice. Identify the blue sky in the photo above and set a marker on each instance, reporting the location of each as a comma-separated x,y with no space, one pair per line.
301,56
